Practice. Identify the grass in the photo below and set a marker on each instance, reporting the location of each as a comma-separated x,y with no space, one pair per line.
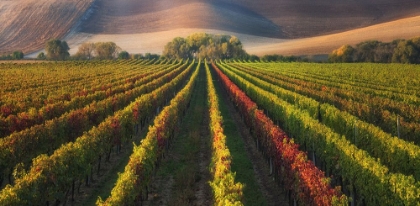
241,164
104,191
182,163
187,147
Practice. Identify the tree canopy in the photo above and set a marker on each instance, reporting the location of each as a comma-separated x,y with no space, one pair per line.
16,55
86,51
99,50
202,45
57,50
106,50
397,51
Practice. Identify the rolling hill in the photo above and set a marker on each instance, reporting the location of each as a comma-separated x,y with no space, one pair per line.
263,26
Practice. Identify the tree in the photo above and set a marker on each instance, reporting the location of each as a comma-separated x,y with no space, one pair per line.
202,45
41,56
177,48
365,51
106,50
57,50
123,55
406,52
138,56
86,51
343,54
151,56
17,55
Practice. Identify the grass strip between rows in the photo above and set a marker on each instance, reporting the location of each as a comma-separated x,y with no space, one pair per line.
133,182
50,178
365,174
299,175
225,190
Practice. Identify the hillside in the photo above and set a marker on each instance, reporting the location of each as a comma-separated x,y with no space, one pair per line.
27,24
28,27
268,18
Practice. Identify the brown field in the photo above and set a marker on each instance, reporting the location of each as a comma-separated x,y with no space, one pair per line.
269,26
27,24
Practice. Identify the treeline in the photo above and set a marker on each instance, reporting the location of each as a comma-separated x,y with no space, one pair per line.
59,50
397,51
280,58
16,55
202,45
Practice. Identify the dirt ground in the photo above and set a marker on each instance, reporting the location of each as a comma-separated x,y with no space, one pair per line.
155,41
27,24
271,26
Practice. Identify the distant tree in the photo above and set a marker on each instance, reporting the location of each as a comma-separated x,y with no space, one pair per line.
202,45
151,56
343,54
365,51
279,58
86,51
384,51
57,50
41,56
106,50
407,52
368,51
17,55
6,57
137,56
253,58
195,41
123,55
177,48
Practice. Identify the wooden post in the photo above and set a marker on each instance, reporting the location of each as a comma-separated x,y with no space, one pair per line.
398,125
72,191
99,164
355,133
313,153
271,166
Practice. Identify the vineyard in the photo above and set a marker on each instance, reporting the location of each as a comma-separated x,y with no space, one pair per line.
194,132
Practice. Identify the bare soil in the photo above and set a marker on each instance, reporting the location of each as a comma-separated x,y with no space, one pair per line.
154,42
268,18
27,24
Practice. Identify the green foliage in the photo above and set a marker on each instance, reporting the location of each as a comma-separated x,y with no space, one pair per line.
226,191
151,56
16,55
106,50
279,58
57,171
343,54
101,50
407,52
137,174
373,181
123,55
57,50
202,45
85,51
397,51
6,57
41,56
177,48
253,58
